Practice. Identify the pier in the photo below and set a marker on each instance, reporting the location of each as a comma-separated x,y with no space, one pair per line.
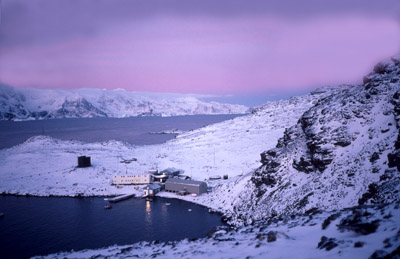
121,197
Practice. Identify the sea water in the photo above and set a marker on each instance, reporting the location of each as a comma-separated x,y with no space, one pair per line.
134,130
40,226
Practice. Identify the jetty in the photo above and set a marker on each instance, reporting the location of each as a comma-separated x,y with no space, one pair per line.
121,197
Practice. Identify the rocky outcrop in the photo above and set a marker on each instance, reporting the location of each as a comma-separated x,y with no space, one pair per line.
76,109
343,151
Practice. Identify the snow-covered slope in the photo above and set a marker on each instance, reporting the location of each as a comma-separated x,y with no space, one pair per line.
342,152
335,156
338,148
22,104
231,147
361,232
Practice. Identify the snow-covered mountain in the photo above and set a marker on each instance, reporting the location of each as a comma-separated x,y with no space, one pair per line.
23,104
342,152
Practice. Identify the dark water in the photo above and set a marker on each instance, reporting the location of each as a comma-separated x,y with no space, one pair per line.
134,130
39,226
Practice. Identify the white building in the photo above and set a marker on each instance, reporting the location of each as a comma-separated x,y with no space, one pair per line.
133,179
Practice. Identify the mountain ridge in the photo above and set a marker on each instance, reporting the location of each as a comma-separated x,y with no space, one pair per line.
28,104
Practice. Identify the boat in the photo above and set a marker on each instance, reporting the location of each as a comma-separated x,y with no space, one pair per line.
107,207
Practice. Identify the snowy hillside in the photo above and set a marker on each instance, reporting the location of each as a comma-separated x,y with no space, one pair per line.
23,104
360,232
342,152
231,147
327,152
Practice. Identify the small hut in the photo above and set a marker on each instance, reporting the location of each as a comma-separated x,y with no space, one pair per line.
84,161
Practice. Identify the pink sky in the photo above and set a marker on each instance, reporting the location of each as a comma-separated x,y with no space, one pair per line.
206,54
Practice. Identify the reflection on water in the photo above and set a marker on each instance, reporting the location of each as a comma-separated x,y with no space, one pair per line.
48,225
164,209
148,212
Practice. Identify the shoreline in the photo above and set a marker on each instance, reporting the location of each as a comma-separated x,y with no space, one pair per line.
112,196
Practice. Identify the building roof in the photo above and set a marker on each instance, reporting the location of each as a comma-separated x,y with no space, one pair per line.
181,181
171,170
152,186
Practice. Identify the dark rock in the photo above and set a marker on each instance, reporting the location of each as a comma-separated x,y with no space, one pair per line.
342,142
272,152
387,243
387,175
374,157
394,160
303,202
381,68
366,79
373,91
271,236
328,220
327,243
397,142
359,227
379,254
269,180
358,244
304,165
372,190
395,253
312,211
321,163
396,95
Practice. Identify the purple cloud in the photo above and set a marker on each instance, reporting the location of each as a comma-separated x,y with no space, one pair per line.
194,46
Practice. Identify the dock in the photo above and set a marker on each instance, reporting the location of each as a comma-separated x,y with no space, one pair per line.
121,197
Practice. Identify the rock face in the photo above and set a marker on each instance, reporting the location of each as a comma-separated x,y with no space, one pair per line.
343,151
24,104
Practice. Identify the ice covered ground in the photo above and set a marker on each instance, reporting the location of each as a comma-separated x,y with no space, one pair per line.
45,166
361,232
